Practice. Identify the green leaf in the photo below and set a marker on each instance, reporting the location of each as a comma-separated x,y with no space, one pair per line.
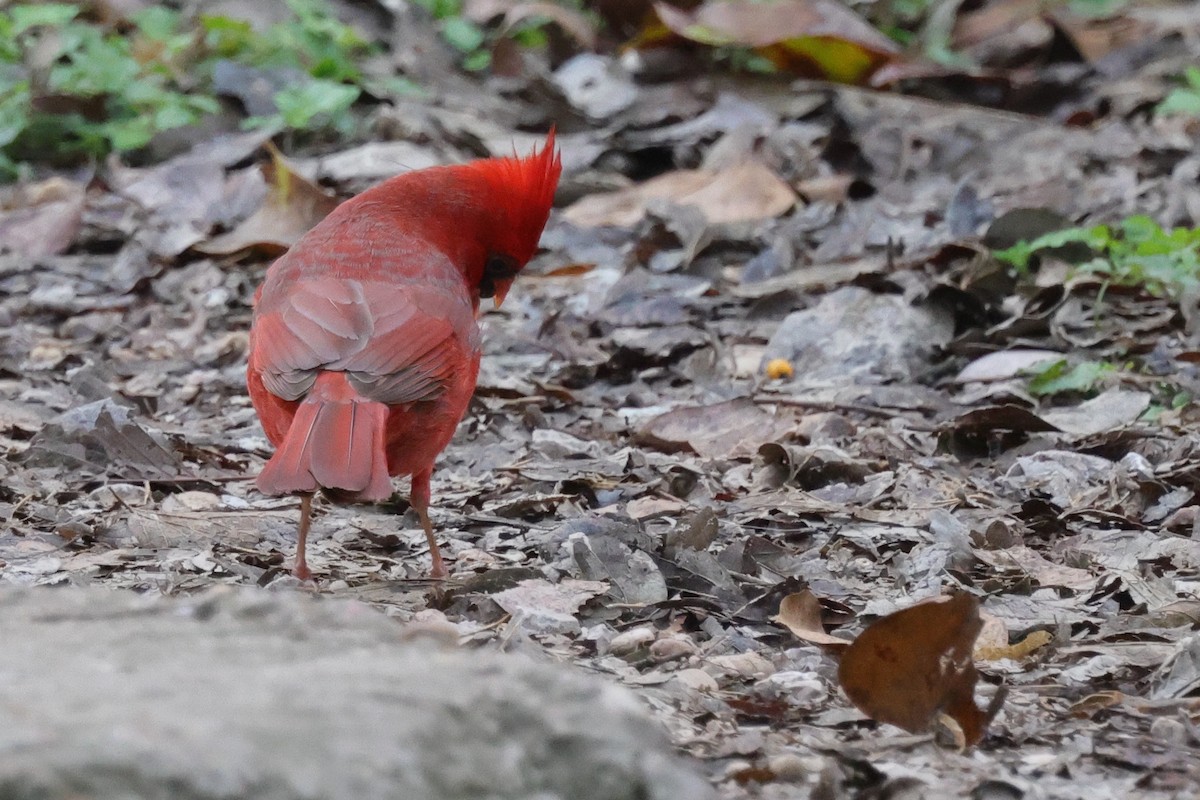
394,86
1180,101
1096,238
477,61
129,134
462,34
14,111
157,22
48,15
1057,377
300,105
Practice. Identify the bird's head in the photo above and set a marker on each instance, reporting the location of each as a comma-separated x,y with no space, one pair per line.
486,216
516,194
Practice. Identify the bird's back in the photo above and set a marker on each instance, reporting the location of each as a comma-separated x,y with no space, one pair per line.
370,303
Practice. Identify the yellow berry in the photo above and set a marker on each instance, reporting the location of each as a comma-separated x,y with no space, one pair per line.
778,368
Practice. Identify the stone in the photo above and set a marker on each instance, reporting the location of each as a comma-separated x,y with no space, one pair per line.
853,335
244,694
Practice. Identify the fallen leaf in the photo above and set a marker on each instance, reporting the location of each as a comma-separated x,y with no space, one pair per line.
633,577
815,38
293,206
735,427
800,613
101,438
573,22
745,192
915,664
544,607
1018,650
1093,704
42,219
1113,409
1005,364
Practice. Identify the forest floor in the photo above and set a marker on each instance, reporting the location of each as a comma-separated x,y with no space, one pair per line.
630,491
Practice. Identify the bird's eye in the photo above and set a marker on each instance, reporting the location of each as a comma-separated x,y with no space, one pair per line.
498,268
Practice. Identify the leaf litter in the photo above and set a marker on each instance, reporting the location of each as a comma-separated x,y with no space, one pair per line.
631,491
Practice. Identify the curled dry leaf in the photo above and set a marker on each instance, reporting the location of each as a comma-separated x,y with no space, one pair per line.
293,205
1018,650
815,38
1004,365
915,664
733,428
1093,704
571,21
800,613
745,192
42,219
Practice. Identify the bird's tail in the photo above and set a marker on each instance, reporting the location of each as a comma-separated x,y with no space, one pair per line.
335,441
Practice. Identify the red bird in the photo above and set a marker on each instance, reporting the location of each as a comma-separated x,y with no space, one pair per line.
364,350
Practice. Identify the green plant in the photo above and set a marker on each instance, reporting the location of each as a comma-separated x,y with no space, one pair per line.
1058,376
74,88
475,43
313,42
1168,397
1183,99
89,91
462,34
1137,252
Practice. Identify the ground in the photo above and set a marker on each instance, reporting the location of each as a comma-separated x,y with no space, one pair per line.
632,490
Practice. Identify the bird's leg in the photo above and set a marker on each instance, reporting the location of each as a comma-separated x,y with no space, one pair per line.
420,501
301,569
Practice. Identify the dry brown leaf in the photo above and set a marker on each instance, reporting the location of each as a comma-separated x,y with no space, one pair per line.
800,613
1096,38
993,634
1091,705
1035,565
571,21
735,427
42,219
996,19
915,664
293,205
742,193
1018,650
817,38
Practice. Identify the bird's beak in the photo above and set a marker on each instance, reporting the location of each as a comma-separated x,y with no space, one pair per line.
501,293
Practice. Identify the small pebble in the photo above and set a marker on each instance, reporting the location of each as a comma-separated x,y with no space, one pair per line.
697,680
671,649
190,501
1168,730
746,665
789,767
628,641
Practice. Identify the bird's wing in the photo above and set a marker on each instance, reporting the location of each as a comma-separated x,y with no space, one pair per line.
398,343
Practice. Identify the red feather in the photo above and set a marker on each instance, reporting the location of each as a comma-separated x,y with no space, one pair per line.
364,348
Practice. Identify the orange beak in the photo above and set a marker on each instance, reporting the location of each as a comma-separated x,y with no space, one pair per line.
501,293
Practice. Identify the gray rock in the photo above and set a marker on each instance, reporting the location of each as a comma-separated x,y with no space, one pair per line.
596,85
854,335
253,695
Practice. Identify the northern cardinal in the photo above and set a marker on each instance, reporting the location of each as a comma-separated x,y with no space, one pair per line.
364,348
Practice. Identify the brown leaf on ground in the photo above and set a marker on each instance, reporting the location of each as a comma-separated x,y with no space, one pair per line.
915,664
293,205
800,613
42,219
573,22
736,427
815,38
1018,650
742,193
